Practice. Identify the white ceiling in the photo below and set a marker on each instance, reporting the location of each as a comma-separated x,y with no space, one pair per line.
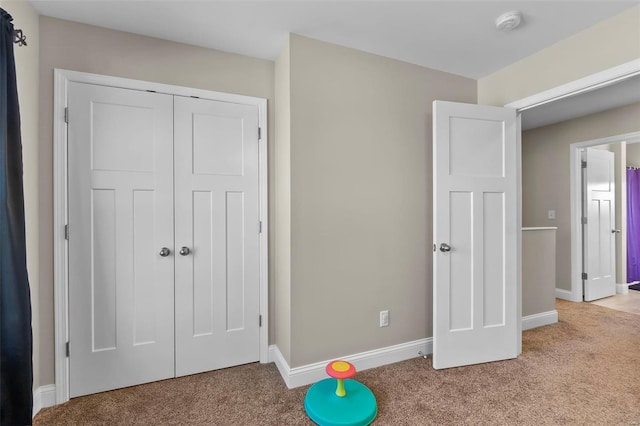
454,36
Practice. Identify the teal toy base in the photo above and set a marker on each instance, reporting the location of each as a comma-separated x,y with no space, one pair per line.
357,408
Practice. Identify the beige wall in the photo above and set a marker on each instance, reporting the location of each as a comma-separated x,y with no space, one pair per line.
545,173
605,45
350,203
360,198
633,155
282,232
26,19
538,271
79,47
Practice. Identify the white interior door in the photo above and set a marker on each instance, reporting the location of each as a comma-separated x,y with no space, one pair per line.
217,220
599,232
476,300
120,215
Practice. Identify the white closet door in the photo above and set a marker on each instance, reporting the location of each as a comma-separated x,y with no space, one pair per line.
217,221
120,216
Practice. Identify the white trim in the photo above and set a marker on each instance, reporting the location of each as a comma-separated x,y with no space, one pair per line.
566,295
263,192
311,373
43,397
60,249
582,85
519,234
61,81
273,349
575,181
541,228
169,89
622,288
575,199
538,320
281,364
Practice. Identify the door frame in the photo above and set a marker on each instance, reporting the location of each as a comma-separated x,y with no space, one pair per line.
575,175
62,78
582,85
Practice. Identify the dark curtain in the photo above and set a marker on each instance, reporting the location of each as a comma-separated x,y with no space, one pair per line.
633,225
16,373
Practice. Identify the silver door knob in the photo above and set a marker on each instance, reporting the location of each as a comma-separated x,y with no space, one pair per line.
185,251
164,252
615,231
444,247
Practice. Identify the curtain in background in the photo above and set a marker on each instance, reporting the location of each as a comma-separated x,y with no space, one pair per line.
633,225
16,373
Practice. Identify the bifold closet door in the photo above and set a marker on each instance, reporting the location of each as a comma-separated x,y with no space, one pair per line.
120,182
216,234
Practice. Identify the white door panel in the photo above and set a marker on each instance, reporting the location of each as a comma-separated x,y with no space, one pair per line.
476,288
216,190
120,215
137,316
599,236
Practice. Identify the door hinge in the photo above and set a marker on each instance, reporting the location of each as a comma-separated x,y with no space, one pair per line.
584,220
66,232
66,114
260,227
259,320
67,349
584,164
259,133
434,248
584,276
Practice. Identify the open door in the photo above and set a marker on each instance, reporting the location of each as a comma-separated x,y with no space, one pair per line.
476,300
599,256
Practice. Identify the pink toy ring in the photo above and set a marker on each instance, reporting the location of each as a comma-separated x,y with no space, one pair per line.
340,370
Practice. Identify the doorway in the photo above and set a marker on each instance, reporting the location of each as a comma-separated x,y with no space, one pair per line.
553,152
598,223
577,240
210,144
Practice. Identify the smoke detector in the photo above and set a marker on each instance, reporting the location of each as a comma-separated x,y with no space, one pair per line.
509,21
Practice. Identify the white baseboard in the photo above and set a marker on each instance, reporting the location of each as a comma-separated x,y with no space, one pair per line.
538,320
43,397
566,295
311,373
622,288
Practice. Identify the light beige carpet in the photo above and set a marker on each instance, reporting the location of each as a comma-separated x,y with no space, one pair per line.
580,371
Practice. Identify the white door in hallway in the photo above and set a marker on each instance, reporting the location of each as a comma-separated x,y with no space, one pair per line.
599,254
120,182
476,289
217,235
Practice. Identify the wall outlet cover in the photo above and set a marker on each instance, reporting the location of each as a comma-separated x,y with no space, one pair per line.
384,318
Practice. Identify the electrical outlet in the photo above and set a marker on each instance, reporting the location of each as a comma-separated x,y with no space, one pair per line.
384,318
551,214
